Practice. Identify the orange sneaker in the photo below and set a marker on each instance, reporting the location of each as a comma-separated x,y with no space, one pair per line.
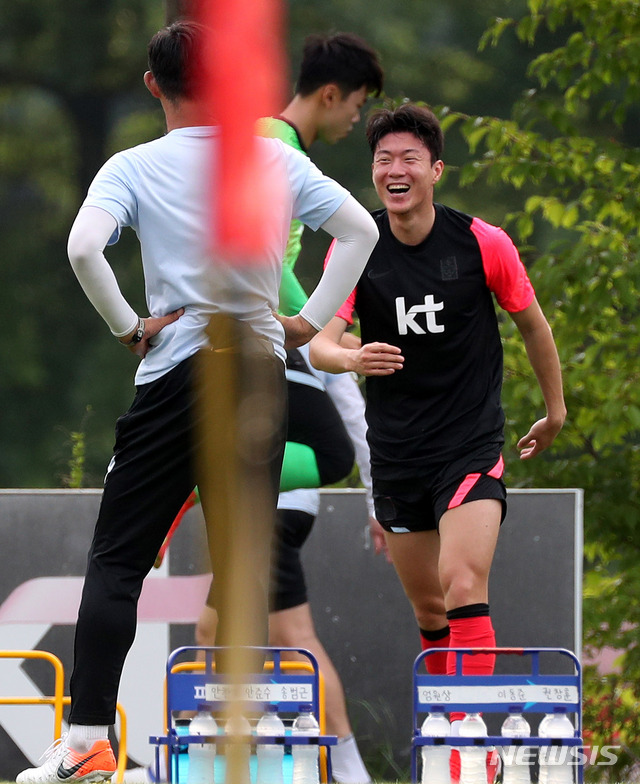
64,764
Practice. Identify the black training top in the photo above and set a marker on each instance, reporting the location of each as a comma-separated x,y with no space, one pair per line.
434,301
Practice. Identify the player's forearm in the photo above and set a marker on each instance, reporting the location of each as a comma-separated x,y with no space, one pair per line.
297,331
356,234
545,362
87,239
327,355
100,286
543,356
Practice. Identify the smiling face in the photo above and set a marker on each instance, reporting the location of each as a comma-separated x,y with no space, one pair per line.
404,174
341,113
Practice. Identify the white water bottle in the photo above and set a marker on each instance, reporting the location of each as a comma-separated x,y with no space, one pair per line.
270,755
202,756
543,771
473,759
515,759
435,759
238,753
556,761
305,756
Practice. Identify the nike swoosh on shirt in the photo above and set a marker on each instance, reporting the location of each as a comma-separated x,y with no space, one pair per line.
65,773
372,274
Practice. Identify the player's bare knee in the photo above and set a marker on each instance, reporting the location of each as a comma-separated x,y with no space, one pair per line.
430,613
463,586
284,637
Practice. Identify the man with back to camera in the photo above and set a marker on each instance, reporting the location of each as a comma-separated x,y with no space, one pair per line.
432,356
160,190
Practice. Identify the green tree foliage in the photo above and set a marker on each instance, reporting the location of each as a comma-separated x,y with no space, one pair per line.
71,91
84,55
573,160
611,718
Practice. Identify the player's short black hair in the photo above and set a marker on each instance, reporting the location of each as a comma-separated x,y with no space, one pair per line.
175,56
344,59
407,118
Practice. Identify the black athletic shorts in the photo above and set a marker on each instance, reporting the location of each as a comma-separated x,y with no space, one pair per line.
288,585
417,504
314,420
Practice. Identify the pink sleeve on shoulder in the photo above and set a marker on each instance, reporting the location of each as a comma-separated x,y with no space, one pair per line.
346,309
504,271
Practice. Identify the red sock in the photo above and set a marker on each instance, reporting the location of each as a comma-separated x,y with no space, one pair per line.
436,663
473,632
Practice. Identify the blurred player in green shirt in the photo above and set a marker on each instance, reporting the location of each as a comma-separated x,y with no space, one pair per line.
337,75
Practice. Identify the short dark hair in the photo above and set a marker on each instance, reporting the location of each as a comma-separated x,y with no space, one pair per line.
176,59
344,59
407,118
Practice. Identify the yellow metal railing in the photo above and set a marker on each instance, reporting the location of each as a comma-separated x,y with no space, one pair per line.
58,700
58,686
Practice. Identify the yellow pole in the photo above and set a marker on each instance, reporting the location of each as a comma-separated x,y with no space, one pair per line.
241,409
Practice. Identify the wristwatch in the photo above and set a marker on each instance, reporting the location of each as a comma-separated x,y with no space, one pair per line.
137,335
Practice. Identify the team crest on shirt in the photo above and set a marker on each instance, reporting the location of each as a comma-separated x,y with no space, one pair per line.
449,268
413,319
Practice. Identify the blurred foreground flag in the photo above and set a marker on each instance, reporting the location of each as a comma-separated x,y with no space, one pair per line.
245,77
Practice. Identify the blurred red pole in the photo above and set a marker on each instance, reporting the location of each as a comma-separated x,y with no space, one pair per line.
245,77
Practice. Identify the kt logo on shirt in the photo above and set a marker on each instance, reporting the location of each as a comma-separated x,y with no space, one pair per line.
407,319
